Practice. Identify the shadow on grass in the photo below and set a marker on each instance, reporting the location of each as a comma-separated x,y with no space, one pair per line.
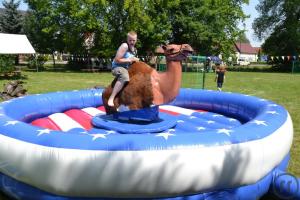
269,196
12,76
4,197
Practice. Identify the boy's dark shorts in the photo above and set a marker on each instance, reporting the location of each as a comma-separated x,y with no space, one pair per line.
121,73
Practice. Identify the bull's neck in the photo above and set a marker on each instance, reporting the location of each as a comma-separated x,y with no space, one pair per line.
170,80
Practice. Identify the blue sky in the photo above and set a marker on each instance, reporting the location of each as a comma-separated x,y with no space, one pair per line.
248,9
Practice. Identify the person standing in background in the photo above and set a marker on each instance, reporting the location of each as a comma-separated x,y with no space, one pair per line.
220,76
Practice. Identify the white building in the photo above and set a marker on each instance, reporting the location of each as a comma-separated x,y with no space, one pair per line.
246,51
15,44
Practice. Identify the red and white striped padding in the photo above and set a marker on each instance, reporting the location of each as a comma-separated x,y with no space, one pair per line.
176,110
74,118
81,118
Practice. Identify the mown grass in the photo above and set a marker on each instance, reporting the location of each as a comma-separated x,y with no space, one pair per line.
282,88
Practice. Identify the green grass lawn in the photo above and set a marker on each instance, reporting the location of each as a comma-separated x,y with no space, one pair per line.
282,88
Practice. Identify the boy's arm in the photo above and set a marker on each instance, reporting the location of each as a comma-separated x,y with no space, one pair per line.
120,53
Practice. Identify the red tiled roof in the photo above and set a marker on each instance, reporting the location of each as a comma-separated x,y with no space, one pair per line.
245,48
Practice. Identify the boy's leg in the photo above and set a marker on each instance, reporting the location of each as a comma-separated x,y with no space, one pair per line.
123,77
118,86
219,86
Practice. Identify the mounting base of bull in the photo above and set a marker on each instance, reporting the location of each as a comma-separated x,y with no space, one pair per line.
145,114
146,120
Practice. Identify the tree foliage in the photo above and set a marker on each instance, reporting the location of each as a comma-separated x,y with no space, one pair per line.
11,19
242,38
279,23
210,26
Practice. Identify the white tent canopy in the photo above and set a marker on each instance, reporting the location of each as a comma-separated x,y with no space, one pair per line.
15,44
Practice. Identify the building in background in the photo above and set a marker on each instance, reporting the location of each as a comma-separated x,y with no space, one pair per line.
244,51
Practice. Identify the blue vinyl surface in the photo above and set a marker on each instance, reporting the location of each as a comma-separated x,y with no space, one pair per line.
107,122
240,107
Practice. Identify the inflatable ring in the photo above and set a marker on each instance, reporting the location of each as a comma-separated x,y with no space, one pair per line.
188,161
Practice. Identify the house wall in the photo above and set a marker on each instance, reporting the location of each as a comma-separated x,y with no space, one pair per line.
248,57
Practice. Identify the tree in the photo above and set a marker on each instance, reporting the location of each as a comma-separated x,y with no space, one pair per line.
243,38
279,23
42,28
11,20
210,26
148,18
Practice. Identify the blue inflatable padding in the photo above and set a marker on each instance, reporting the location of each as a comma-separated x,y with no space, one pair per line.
146,114
285,185
237,106
247,107
235,109
108,122
38,105
218,118
32,107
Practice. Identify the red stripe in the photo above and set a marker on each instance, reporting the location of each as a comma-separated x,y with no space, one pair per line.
81,117
169,112
101,108
45,123
201,110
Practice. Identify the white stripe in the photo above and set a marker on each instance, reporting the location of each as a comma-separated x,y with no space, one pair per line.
177,109
93,111
64,122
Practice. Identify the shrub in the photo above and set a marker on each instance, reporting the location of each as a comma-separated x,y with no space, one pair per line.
7,64
37,61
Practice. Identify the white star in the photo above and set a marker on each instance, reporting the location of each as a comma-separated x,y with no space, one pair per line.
98,135
171,130
164,135
110,132
180,121
273,112
273,105
210,122
259,122
225,131
217,115
84,132
232,120
11,123
262,100
192,117
200,128
43,131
